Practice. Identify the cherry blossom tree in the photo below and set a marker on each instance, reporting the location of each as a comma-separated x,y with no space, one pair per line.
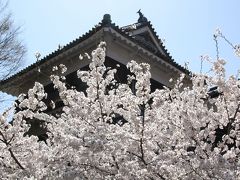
113,131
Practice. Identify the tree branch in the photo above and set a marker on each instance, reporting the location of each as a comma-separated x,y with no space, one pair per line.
142,135
10,150
15,159
159,175
116,164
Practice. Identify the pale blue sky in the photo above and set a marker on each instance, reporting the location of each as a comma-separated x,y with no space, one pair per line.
186,25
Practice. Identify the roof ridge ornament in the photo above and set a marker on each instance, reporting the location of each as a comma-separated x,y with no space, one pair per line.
142,18
107,19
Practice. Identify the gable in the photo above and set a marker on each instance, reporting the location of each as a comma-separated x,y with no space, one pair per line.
144,36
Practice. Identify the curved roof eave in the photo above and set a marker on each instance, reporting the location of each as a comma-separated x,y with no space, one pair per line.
104,23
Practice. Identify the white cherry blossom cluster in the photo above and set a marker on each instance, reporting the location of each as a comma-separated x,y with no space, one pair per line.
113,131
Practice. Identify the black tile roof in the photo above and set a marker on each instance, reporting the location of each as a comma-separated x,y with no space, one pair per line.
106,22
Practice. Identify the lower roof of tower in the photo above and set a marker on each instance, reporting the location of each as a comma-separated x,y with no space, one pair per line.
137,33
